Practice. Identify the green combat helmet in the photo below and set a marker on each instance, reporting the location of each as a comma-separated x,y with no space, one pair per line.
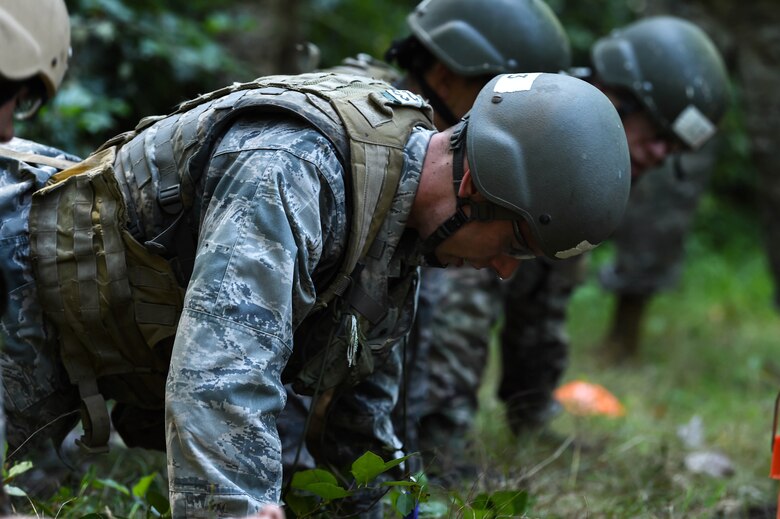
549,149
487,37
673,69
34,42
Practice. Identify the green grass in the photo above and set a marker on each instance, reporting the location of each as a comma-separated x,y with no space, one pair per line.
709,349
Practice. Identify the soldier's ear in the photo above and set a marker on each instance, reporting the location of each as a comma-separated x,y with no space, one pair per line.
467,188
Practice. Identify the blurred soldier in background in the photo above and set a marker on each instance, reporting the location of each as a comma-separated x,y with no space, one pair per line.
34,51
650,244
751,36
668,82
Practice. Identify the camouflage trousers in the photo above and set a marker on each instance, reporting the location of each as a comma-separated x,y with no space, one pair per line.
444,360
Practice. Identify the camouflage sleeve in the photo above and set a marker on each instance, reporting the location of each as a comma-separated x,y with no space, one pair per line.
266,210
35,383
25,146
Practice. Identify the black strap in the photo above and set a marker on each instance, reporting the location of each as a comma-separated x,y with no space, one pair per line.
436,102
366,305
177,244
94,418
456,221
445,230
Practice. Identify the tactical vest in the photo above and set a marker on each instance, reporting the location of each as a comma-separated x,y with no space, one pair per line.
116,300
366,65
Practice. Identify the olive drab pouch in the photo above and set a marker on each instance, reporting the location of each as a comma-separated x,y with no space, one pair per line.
114,303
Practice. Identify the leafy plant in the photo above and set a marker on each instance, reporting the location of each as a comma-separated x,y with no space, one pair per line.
314,491
97,493
11,473
317,492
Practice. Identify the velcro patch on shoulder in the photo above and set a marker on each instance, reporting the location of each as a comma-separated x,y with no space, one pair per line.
515,83
403,98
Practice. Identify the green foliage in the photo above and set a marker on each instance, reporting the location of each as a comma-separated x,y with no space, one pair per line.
709,349
367,467
110,487
343,28
585,25
501,503
319,482
313,491
133,59
734,180
98,497
10,474
316,493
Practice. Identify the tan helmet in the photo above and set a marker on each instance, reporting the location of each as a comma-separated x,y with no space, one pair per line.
34,41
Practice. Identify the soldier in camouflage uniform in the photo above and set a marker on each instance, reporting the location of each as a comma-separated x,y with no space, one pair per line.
33,61
661,116
455,43
454,49
261,169
650,244
534,343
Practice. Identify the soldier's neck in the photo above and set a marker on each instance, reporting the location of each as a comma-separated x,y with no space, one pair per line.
434,202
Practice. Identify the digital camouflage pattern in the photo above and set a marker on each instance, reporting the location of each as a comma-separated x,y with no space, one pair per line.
33,379
465,307
261,254
251,287
445,359
534,342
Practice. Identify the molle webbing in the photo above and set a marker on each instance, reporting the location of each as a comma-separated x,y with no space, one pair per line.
367,126
111,300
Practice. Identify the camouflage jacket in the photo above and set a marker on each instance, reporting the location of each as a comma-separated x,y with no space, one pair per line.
272,223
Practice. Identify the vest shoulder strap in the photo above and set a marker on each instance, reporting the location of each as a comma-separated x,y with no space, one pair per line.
34,158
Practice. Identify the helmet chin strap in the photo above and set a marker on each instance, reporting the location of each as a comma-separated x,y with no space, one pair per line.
457,220
482,211
436,102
